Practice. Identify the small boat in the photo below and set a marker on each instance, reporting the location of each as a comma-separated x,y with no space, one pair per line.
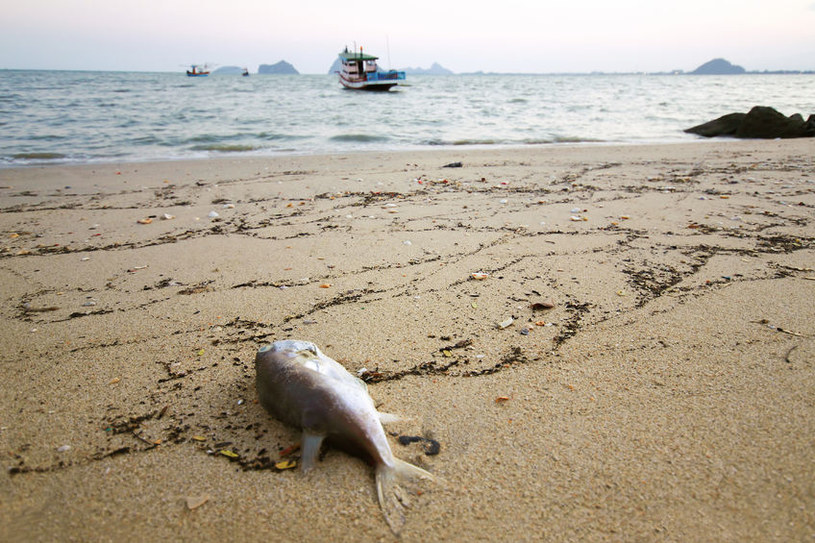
198,71
245,72
360,71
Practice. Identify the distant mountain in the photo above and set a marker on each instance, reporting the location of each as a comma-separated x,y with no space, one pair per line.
228,70
281,67
435,69
718,66
336,66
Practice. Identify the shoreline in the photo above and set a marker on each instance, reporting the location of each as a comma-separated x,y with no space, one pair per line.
202,164
666,394
449,148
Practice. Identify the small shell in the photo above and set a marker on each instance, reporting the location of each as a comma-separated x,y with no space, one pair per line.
506,324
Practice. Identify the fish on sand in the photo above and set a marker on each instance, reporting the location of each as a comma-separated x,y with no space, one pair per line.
301,386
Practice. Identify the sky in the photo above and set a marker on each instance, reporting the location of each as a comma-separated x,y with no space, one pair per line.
529,36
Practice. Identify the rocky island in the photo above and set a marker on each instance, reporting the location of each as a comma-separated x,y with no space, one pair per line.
718,66
281,68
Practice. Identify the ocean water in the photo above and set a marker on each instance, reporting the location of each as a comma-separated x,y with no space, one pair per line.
84,117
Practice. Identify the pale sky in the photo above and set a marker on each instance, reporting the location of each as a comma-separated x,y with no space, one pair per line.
530,36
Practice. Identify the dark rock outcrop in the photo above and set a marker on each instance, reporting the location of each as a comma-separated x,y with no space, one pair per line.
760,122
281,67
718,66
727,125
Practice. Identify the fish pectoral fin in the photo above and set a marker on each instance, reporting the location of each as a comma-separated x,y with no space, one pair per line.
388,418
310,448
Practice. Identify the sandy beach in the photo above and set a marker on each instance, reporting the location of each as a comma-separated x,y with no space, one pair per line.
606,342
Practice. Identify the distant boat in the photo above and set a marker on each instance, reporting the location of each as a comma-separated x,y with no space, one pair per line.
198,71
245,72
360,71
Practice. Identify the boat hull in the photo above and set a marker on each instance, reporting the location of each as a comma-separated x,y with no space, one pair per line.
367,85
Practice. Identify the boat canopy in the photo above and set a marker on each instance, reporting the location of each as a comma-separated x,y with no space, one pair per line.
351,55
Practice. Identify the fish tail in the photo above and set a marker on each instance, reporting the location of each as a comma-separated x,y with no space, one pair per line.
394,484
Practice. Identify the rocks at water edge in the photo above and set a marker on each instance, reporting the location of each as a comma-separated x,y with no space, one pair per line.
760,122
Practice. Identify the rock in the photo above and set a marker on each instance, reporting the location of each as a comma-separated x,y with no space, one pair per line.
727,125
765,122
760,122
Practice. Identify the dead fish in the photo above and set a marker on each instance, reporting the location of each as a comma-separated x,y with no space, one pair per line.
301,386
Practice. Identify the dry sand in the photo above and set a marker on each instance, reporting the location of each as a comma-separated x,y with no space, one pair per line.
669,394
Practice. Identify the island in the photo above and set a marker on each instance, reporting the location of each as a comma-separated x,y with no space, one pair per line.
435,69
281,68
229,70
718,66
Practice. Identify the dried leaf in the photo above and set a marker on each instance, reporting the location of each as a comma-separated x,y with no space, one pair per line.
543,304
285,464
290,449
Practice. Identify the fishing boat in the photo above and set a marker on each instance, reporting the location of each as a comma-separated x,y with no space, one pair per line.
198,71
359,71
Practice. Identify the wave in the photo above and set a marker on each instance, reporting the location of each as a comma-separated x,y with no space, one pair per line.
225,147
359,138
38,156
484,141
575,139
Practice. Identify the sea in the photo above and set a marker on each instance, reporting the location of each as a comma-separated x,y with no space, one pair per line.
57,117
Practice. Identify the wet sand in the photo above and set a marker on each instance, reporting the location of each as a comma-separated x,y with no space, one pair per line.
667,394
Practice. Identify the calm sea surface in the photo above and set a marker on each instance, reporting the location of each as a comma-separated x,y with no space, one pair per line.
81,117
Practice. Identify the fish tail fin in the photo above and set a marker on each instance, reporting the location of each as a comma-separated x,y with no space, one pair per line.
394,484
